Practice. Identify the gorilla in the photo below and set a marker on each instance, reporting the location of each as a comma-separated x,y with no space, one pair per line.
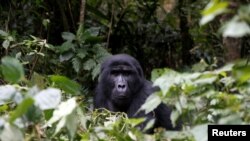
123,88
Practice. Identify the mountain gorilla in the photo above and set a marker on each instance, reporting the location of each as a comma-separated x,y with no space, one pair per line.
123,88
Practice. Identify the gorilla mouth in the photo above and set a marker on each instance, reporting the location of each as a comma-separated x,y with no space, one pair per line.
121,97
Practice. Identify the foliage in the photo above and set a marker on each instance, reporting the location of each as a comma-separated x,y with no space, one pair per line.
220,96
215,97
238,26
83,50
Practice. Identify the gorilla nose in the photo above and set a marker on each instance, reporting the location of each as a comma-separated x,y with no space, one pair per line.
121,87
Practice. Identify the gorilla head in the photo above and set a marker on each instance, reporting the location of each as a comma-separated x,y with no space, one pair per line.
121,78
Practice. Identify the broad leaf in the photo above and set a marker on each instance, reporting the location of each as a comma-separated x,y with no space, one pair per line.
12,69
236,29
95,71
76,62
6,44
151,103
48,99
90,64
11,133
61,114
66,84
168,78
6,93
68,36
3,33
66,46
71,124
214,8
200,132
66,56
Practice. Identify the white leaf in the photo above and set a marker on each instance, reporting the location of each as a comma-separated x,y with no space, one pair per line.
60,125
11,133
48,99
64,109
200,132
151,103
132,136
169,78
236,29
6,93
206,19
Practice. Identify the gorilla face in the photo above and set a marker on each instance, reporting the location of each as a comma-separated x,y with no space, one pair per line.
122,76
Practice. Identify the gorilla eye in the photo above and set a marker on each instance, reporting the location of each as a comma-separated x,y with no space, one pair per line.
115,72
126,73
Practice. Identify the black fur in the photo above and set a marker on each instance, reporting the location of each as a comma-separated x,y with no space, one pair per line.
138,90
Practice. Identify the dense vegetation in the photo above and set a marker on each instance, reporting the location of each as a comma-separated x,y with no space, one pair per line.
196,51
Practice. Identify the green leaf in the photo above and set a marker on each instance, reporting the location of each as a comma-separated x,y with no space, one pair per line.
71,124
6,44
90,64
66,84
48,114
3,33
168,78
21,109
48,99
66,46
200,66
241,73
93,31
45,23
82,53
205,79
135,121
214,8
90,35
66,56
95,71
93,39
156,73
68,36
12,69
151,103
38,79
76,62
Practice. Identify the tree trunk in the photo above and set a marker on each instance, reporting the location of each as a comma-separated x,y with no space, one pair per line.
186,39
232,46
82,12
